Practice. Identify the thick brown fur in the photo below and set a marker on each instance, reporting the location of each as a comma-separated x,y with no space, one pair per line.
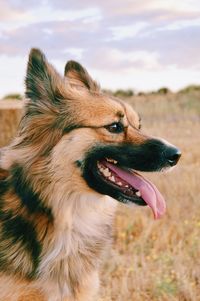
54,229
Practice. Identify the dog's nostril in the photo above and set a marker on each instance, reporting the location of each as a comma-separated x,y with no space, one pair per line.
173,155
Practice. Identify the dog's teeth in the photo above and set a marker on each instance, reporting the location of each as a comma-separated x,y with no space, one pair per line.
106,172
111,160
108,159
101,168
112,178
138,193
126,186
119,183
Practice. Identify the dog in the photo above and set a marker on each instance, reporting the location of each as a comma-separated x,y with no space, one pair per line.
76,154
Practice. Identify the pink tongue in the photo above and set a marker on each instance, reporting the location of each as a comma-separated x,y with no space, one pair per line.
148,190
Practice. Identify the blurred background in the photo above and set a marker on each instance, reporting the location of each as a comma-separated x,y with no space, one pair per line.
148,53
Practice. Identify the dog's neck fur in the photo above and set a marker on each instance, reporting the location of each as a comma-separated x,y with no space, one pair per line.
78,241
72,244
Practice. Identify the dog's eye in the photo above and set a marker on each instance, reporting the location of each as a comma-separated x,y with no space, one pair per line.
116,127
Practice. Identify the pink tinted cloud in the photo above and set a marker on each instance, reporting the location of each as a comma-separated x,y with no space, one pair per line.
10,13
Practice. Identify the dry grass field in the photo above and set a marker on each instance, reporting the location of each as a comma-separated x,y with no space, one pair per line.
154,260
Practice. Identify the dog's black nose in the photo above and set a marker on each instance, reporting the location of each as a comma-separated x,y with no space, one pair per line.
172,155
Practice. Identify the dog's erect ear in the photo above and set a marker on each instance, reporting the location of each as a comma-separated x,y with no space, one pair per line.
42,80
78,75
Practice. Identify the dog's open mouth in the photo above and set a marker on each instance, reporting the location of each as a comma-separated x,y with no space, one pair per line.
131,186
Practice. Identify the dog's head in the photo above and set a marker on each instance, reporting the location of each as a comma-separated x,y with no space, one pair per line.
76,136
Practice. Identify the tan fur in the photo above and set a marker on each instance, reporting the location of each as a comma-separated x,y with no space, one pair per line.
3,174
75,238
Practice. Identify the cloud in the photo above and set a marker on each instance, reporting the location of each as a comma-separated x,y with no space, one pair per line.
14,19
109,37
8,13
178,47
53,37
151,10
77,53
117,61
130,7
146,80
127,31
12,74
181,24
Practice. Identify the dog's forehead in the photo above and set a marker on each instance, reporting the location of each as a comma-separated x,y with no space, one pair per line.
126,112
104,109
92,108
107,105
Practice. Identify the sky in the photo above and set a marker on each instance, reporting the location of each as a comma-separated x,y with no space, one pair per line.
130,44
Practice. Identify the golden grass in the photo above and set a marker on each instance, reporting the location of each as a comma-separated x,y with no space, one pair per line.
10,115
156,260
159,260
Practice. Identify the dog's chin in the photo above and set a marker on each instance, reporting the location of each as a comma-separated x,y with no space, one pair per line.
167,169
104,180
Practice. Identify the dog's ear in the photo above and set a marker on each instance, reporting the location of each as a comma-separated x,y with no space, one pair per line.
42,80
78,75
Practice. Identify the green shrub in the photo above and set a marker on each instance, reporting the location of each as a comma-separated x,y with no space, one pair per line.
13,96
163,90
191,88
123,93
141,93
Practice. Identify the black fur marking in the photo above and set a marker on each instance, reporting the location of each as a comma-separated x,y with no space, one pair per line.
81,74
39,80
70,128
28,197
15,228
36,73
149,156
21,231
3,181
72,65
78,163
4,185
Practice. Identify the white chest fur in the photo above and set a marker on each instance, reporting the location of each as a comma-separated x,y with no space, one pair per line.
83,230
